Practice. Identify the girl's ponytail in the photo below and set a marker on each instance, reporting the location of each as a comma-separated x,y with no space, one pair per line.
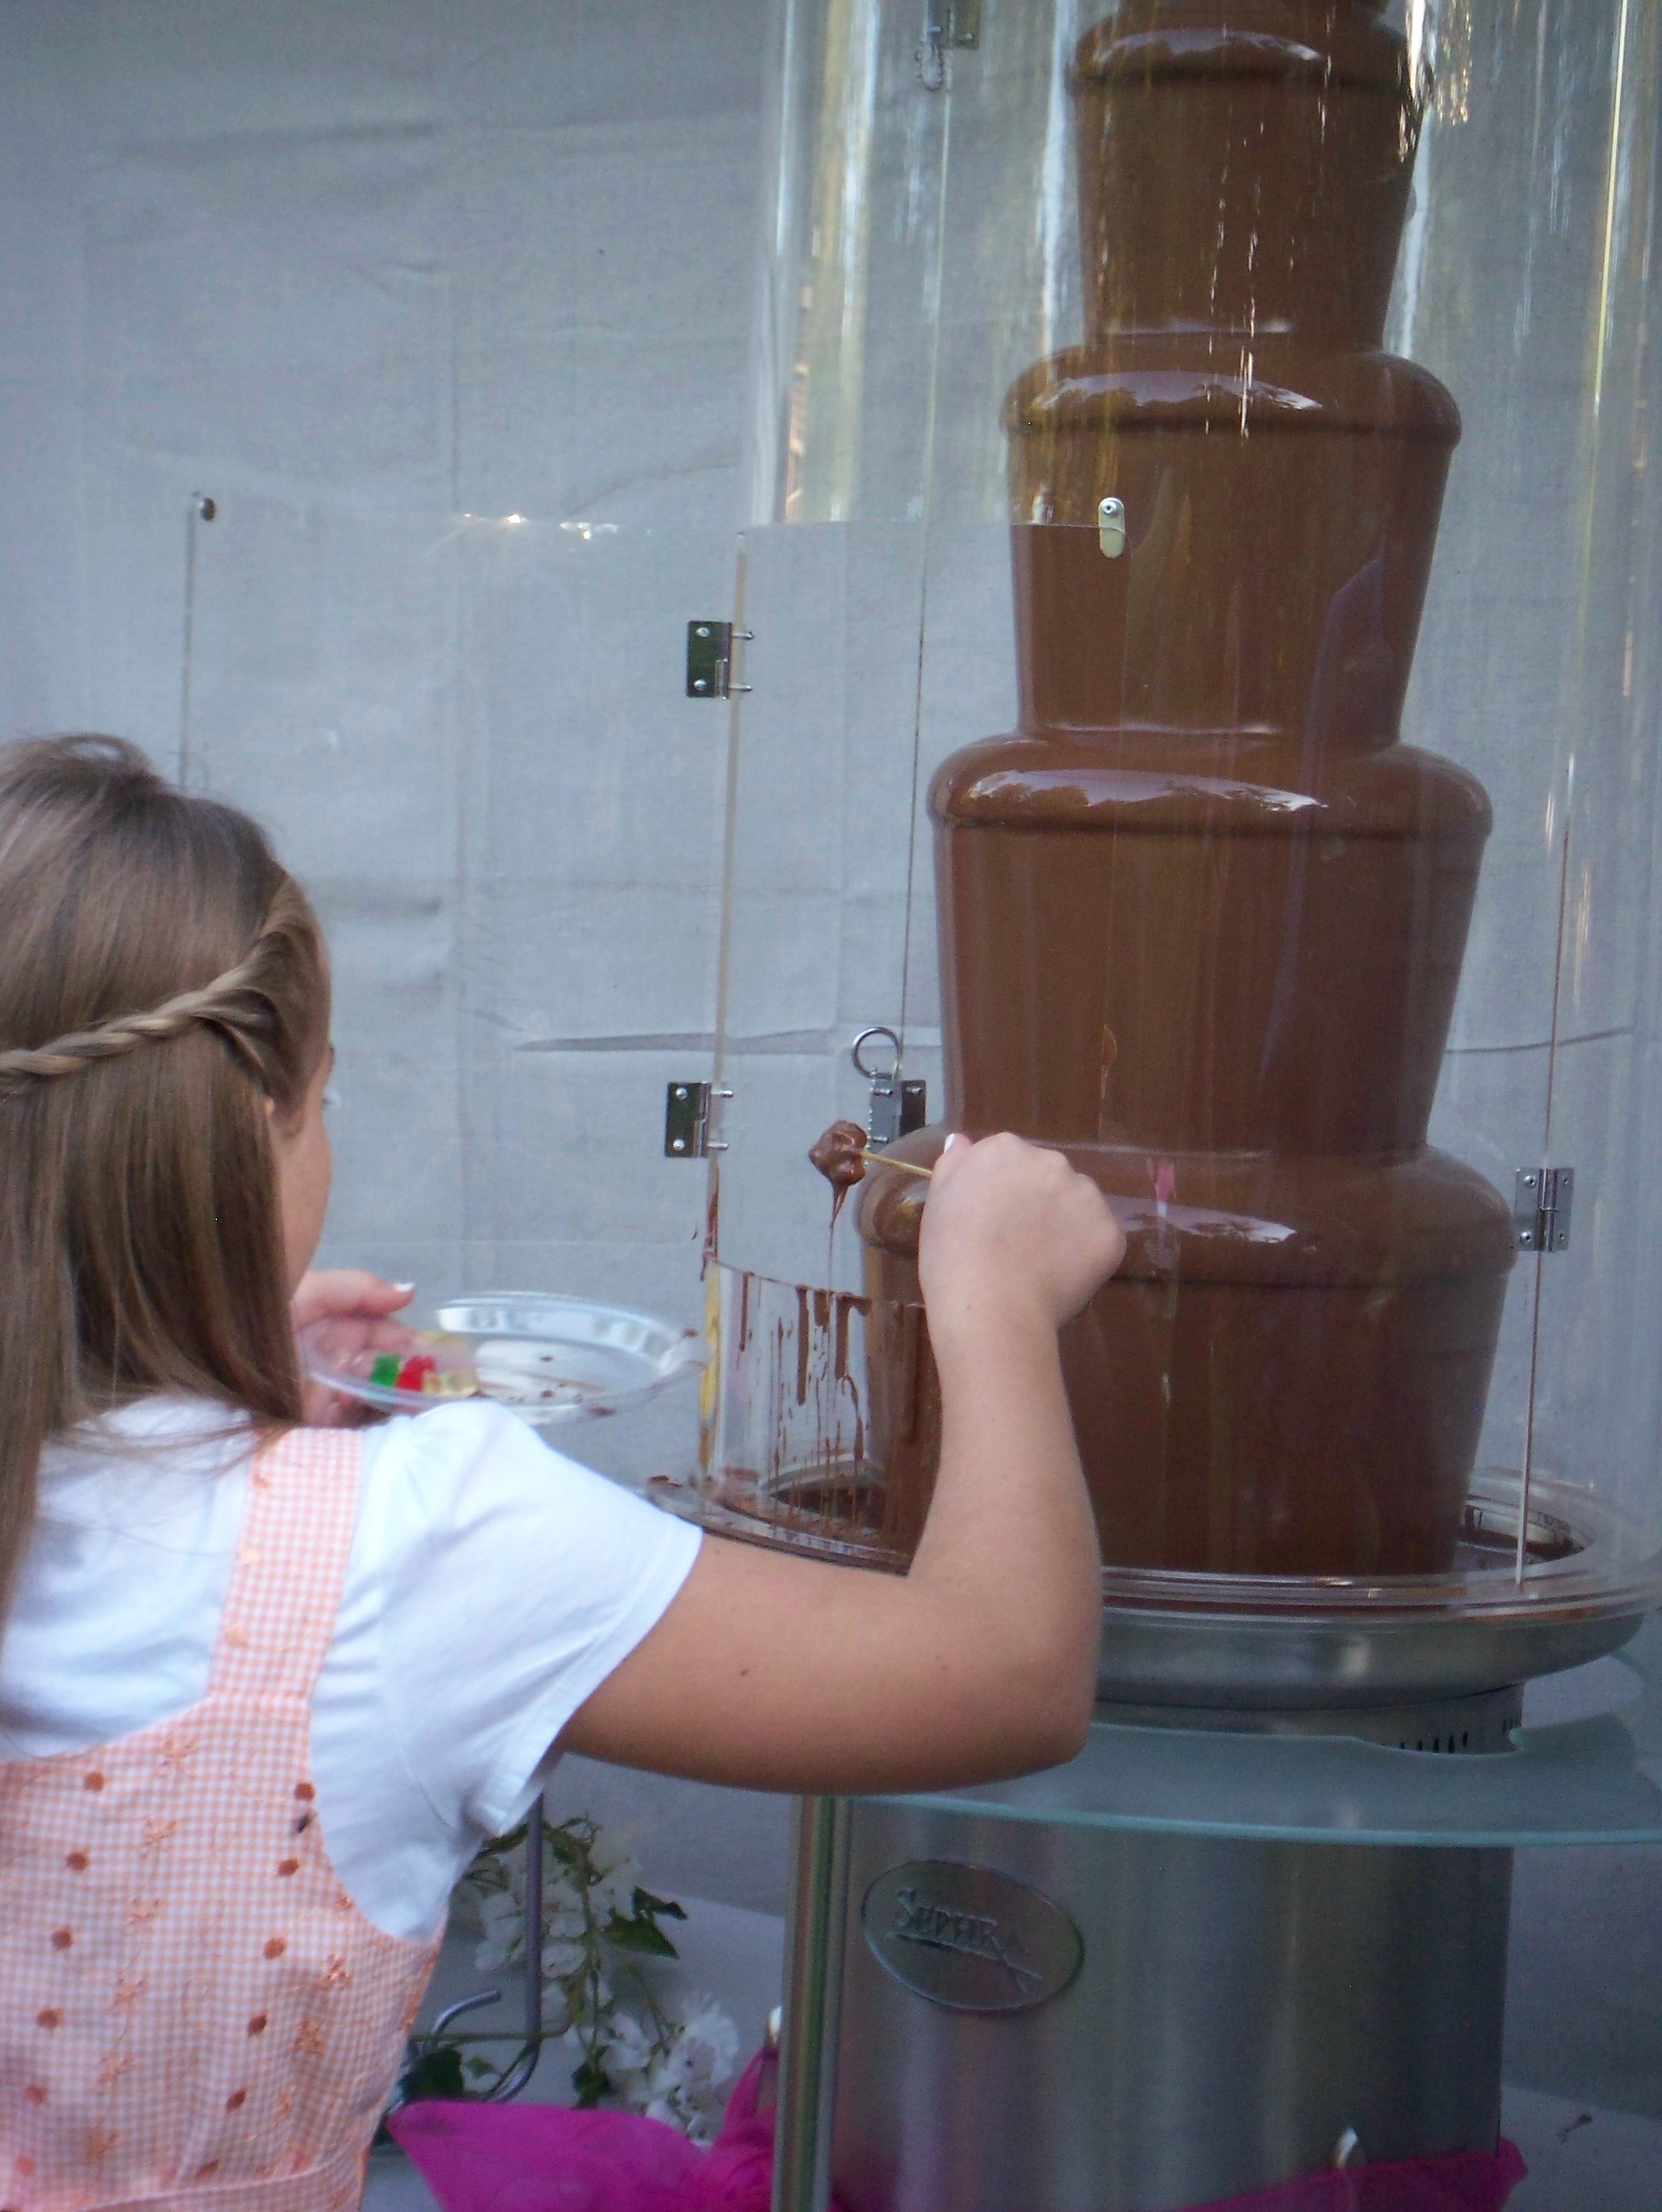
161,979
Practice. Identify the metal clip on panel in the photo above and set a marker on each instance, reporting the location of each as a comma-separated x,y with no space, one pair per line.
897,1106
710,659
687,1121
946,23
1541,1200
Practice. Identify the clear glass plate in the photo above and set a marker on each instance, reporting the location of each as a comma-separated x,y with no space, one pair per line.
550,1360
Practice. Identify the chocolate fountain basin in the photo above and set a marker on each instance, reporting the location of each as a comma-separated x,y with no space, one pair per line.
1346,1657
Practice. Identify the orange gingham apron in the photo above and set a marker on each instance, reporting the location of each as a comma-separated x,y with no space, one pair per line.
193,2012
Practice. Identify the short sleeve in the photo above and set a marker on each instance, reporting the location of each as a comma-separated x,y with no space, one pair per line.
510,1582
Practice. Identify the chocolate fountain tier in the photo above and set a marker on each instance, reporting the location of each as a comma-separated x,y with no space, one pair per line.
1287,1376
1244,165
1280,518
1185,941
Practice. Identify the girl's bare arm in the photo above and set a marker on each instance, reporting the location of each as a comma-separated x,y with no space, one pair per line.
786,1673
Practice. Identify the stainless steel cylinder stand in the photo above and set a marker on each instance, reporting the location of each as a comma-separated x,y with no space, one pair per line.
1014,2000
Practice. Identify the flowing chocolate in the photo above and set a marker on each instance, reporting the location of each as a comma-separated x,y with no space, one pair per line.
837,1155
1202,916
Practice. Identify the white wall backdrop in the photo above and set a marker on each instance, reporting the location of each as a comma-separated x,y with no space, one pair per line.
375,277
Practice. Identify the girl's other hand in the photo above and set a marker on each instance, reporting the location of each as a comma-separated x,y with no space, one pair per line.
340,1312
1011,1232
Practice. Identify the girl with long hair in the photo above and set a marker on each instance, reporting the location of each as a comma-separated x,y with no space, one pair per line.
265,1686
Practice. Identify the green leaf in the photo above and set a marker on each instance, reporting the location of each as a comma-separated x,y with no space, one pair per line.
665,1908
479,2068
589,2080
435,2073
642,1935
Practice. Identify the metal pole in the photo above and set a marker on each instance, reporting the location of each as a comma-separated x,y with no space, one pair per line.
533,1939
524,2066
813,1993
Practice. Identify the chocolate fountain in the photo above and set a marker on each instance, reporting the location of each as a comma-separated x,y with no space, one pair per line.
1208,925
1202,917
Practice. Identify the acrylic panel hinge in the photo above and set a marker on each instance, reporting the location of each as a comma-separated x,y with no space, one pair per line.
687,1121
1541,1199
710,657
946,23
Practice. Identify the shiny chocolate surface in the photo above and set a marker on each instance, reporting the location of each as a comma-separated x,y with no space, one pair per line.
1203,916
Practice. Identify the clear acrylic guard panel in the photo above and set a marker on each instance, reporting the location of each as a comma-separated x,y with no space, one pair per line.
1309,896
471,738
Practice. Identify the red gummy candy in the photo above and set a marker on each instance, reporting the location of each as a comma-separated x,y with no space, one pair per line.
418,1364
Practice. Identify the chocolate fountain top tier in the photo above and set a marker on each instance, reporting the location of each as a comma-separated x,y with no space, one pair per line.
1244,168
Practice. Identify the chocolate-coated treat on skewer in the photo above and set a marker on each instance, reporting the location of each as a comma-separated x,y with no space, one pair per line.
839,1153
842,1155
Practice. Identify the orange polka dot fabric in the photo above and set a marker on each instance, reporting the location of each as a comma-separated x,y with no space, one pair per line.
193,2012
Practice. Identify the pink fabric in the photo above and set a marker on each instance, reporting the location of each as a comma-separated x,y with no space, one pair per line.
196,2015
539,2158
542,2158
1464,2181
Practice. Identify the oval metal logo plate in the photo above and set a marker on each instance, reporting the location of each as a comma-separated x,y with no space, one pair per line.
969,1938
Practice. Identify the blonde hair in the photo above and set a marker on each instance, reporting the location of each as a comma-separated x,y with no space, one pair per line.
162,977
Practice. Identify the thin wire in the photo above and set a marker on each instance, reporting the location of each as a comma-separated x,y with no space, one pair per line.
932,420
193,517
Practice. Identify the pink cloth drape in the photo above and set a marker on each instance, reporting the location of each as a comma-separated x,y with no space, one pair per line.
541,2158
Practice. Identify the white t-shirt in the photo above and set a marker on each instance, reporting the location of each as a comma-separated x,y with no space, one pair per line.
493,1585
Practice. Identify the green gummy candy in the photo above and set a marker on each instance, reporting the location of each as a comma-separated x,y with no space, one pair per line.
385,1373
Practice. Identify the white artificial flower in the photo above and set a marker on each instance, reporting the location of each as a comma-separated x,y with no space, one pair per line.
618,1873
562,1907
691,2061
502,1925
565,1920
611,1847
562,1956
707,2043
628,2054
614,1894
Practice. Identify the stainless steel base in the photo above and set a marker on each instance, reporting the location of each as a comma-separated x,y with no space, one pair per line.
1480,1723
1242,2013
1327,1663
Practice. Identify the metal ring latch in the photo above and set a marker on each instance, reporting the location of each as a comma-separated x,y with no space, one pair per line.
876,1074
897,1106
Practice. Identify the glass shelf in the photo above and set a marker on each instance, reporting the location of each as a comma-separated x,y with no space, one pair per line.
1592,1781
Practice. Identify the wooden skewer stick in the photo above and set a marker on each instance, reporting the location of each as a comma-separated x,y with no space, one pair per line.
900,1167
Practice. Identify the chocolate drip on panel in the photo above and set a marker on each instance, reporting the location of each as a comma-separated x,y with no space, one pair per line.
1203,916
